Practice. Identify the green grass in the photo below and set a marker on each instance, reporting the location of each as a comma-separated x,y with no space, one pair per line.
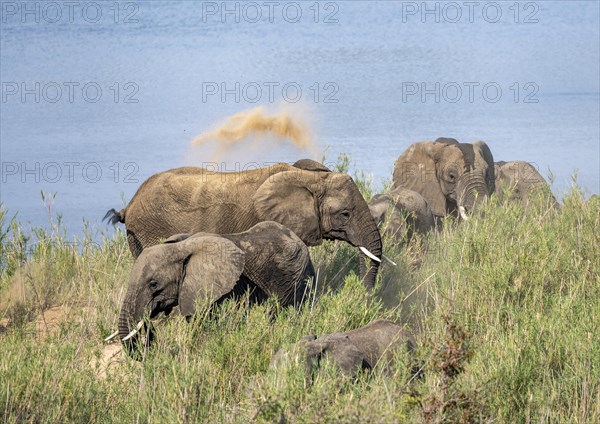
505,310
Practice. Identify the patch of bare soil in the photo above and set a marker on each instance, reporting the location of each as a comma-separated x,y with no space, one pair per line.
112,355
12,297
48,322
15,292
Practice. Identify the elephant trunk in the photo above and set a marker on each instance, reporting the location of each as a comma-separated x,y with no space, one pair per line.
370,239
471,195
130,319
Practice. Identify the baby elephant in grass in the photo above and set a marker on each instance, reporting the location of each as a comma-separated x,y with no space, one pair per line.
268,260
404,212
354,350
359,349
519,181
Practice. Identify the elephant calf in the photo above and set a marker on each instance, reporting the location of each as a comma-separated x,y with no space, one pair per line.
268,259
354,350
405,212
519,181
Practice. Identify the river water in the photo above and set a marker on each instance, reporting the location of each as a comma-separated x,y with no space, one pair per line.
97,96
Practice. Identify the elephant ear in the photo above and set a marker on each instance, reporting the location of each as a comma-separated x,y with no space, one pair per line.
339,349
310,165
316,348
446,140
416,169
213,266
286,198
499,170
482,148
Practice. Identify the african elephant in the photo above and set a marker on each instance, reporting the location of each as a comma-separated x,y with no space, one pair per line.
359,349
520,181
453,177
268,259
405,212
306,197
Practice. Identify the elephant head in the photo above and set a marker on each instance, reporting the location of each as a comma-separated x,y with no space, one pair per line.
338,349
268,259
178,273
404,211
521,182
320,205
453,177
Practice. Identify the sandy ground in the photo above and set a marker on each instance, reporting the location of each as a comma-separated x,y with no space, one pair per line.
112,355
48,324
14,293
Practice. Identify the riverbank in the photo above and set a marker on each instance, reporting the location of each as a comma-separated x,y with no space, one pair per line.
504,309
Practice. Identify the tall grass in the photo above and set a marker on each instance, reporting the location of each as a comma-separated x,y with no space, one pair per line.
505,310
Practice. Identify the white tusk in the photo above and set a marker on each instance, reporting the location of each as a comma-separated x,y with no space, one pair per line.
369,254
112,336
463,213
134,331
389,260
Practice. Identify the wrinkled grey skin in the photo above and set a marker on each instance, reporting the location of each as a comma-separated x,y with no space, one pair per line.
359,349
519,181
449,175
403,211
268,259
306,197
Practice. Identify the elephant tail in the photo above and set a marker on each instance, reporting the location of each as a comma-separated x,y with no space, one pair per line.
112,216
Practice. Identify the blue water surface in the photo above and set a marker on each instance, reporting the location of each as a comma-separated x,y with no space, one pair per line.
369,78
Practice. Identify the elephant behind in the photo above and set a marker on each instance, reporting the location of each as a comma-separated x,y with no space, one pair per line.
452,177
405,212
268,259
519,181
306,197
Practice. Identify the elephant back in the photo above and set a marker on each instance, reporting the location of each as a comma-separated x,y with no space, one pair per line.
277,261
379,338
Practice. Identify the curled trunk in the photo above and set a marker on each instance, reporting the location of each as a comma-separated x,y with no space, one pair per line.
472,194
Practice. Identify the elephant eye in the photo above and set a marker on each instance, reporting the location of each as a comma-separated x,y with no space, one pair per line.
153,284
345,214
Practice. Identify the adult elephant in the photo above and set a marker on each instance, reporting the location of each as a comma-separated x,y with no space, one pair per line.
519,181
403,212
268,259
306,197
453,177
